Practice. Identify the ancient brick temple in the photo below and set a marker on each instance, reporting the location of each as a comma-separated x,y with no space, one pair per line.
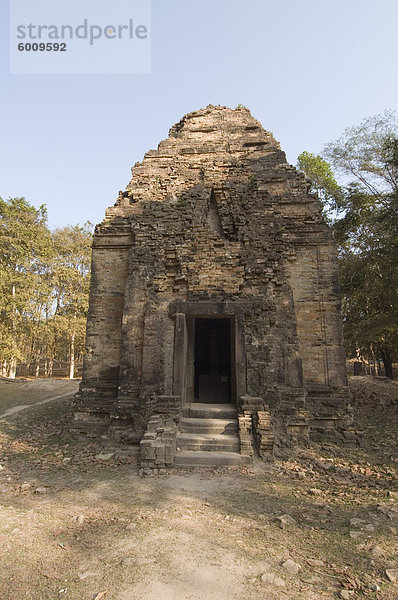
214,325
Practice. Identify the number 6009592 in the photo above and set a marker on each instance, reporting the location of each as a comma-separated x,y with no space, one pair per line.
42,47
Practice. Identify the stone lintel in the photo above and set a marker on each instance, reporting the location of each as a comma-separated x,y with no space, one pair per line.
204,308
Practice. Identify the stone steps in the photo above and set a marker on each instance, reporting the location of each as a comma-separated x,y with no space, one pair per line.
209,437
214,426
198,410
199,458
208,442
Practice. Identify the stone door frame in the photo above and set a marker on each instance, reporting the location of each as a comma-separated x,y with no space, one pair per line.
184,314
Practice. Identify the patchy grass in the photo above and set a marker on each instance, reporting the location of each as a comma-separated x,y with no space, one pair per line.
73,526
26,392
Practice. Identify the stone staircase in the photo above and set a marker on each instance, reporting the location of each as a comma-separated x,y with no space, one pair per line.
209,437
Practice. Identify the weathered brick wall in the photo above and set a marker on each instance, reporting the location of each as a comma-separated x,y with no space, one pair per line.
99,388
214,215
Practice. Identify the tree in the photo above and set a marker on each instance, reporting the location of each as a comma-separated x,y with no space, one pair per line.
322,179
44,285
25,245
365,224
368,152
71,282
369,280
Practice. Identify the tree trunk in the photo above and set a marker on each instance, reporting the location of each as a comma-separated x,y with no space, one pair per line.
37,367
50,367
387,362
72,357
13,368
13,361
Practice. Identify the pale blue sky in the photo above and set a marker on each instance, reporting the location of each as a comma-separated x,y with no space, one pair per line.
306,69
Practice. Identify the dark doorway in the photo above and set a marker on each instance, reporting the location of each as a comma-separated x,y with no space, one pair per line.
213,360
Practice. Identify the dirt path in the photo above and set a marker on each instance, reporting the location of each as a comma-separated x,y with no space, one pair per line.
17,409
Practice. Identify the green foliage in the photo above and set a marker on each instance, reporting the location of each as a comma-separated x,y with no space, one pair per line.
323,181
44,280
365,226
25,246
369,278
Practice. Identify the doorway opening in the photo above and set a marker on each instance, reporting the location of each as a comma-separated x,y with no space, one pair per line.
213,360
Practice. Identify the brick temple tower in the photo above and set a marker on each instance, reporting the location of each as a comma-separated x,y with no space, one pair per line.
214,320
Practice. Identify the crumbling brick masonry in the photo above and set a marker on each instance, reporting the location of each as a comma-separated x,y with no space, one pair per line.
214,279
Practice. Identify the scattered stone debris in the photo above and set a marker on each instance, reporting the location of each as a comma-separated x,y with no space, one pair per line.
120,514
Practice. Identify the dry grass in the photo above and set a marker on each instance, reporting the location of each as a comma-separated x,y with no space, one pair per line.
195,535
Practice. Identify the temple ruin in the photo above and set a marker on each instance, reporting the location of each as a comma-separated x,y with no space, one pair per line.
214,329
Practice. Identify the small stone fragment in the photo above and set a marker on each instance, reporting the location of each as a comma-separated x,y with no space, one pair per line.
291,567
41,490
356,534
131,526
377,552
315,491
392,494
357,522
286,521
371,564
100,595
314,562
104,455
374,587
346,594
87,574
326,466
392,575
272,579
343,470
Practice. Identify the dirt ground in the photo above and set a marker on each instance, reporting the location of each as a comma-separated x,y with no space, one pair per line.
78,524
